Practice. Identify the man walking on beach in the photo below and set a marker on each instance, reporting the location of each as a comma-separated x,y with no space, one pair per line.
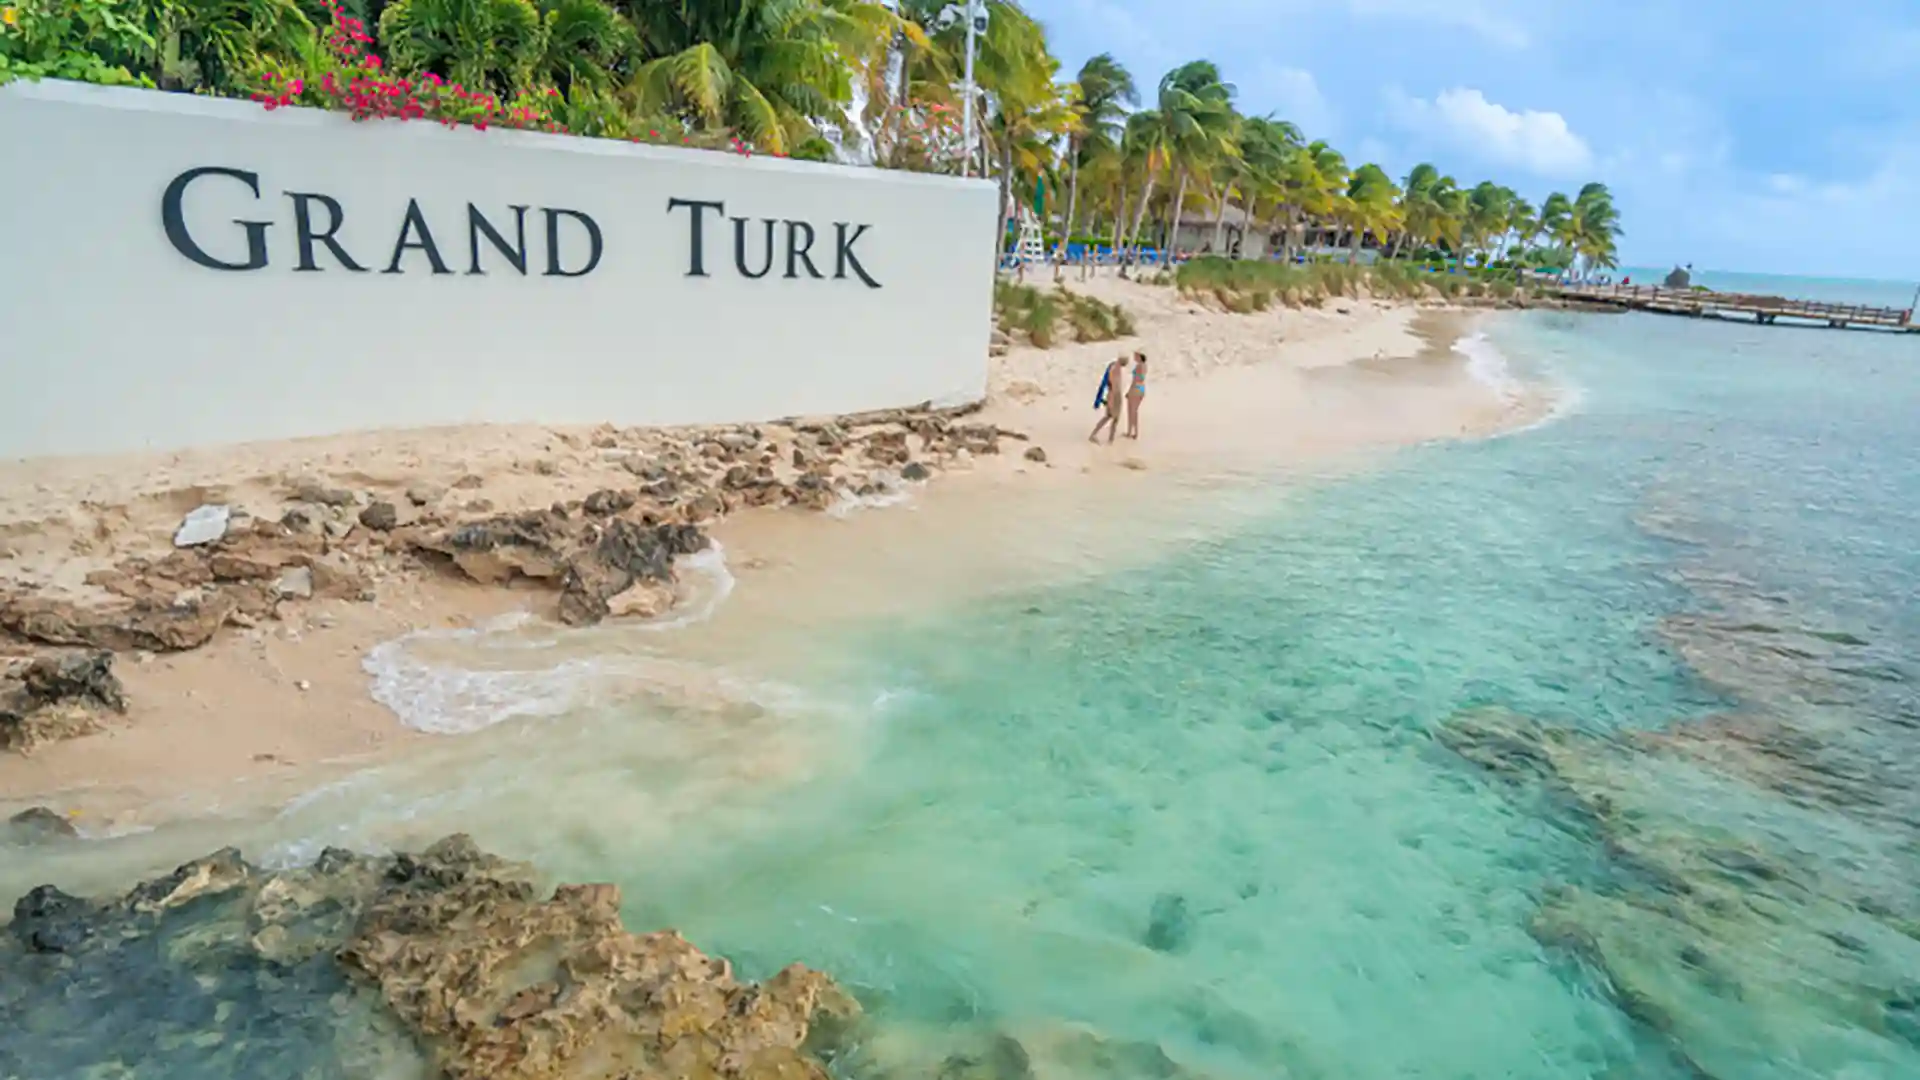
1110,398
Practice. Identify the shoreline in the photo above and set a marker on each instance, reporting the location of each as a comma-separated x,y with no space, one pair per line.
256,717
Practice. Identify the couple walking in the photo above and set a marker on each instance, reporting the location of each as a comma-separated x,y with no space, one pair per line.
1109,397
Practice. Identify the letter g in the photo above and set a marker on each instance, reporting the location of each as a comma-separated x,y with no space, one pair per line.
182,240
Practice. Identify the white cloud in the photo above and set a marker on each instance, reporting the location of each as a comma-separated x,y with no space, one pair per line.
1540,142
1290,94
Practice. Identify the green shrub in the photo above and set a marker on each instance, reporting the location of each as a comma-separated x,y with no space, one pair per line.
94,41
1038,314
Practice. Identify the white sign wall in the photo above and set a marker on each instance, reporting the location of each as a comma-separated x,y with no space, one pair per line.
179,271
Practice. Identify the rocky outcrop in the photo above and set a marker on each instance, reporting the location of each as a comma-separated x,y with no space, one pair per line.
627,503
452,949
181,600
56,697
601,565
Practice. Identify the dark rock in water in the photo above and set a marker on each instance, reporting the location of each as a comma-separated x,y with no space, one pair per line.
47,920
914,472
1500,740
1678,278
1004,1059
364,966
1170,925
38,825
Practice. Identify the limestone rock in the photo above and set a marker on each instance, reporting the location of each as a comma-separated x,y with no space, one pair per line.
58,698
495,550
451,948
381,517
204,525
607,502
295,584
625,555
152,626
313,490
424,494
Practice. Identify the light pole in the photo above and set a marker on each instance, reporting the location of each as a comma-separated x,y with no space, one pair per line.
975,13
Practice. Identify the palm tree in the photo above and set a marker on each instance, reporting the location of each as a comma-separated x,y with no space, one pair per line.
1191,125
1023,128
1524,223
1594,227
1428,207
1101,94
1556,221
899,75
1488,207
1369,206
1268,152
1143,153
1317,183
773,70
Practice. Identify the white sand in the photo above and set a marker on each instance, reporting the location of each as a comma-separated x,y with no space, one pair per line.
267,708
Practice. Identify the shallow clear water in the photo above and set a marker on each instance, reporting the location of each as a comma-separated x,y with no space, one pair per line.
1197,802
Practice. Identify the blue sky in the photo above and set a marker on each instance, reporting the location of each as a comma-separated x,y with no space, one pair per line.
1767,135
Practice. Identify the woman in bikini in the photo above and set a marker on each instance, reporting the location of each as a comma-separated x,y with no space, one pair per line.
1134,393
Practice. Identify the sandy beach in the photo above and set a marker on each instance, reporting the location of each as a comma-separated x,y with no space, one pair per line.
270,706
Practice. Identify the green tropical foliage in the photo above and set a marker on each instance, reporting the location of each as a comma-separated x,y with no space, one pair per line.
1182,168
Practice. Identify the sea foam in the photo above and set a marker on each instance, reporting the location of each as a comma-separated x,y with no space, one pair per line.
450,699
1488,365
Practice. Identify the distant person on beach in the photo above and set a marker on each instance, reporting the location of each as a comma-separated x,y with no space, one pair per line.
1109,399
1135,393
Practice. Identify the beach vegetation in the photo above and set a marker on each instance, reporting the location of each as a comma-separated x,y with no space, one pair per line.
1047,317
1103,158
1246,285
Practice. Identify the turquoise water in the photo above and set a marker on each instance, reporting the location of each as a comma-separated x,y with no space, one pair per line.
1197,808
1198,804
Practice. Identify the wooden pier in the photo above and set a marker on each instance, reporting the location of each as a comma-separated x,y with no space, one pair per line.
1761,309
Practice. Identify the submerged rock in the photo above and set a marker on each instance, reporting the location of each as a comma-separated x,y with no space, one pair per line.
38,825
1170,924
221,968
1745,928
